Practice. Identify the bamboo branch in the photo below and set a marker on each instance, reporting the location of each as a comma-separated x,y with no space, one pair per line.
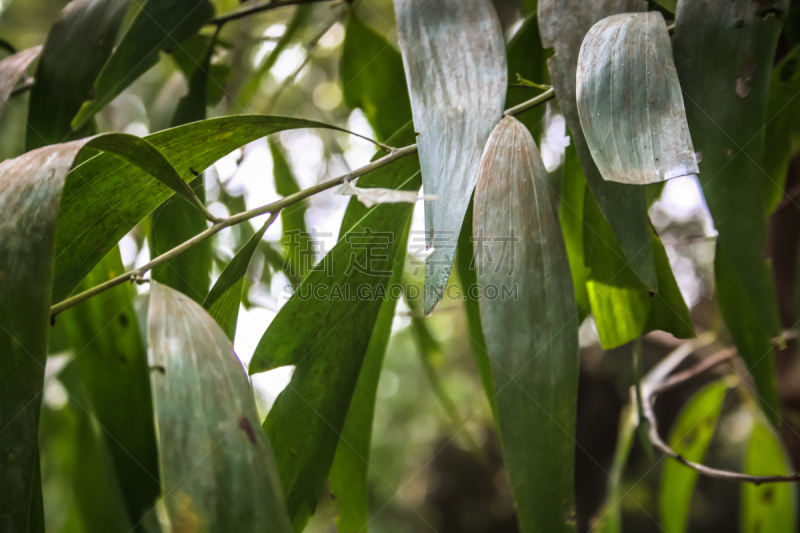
549,94
259,7
273,209
651,390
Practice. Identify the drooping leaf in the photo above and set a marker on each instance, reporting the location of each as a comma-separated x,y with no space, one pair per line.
726,101
690,437
159,25
217,465
782,140
11,70
78,45
192,53
457,85
297,241
630,103
325,330
96,490
373,78
465,266
623,307
532,339
573,192
223,301
111,365
527,59
32,185
104,198
299,21
176,220
753,342
770,506
351,466
563,24
610,520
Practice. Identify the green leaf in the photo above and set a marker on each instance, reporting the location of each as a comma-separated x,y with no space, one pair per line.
217,466
573,192
535,369
782,124
95,488
223,301
299,21
104,198
527,59
623,307
563,24
457,85
465,267
726,102
630,102
325,330
297,241
78,45
159,25
193,53
11,70
771,506
32,185
350,469
670,5
752,341
611,513
690,437
111,362
373,78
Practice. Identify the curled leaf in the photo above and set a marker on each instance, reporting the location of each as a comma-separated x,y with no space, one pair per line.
630,102
11,70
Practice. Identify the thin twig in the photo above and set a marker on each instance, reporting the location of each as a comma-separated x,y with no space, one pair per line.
272,209
533,102
649,394
23,87
259,7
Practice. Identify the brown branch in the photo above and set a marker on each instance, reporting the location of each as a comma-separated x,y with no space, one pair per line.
651,390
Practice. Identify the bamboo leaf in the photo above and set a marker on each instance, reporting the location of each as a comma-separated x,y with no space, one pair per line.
726,101
32,185
78,45
325,330
104,198
458,87
573,193
373,78
783,109
771,506
623,308
159,25
630,103
564,24
223,301
690,437
535,369
110,368
217,466
11,70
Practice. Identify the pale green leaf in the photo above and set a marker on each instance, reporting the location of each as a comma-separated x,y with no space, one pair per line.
535,368
457,85
690,437
771,506
217,466
630,103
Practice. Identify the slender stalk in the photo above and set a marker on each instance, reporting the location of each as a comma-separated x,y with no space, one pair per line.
549,94
259,7
273,209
